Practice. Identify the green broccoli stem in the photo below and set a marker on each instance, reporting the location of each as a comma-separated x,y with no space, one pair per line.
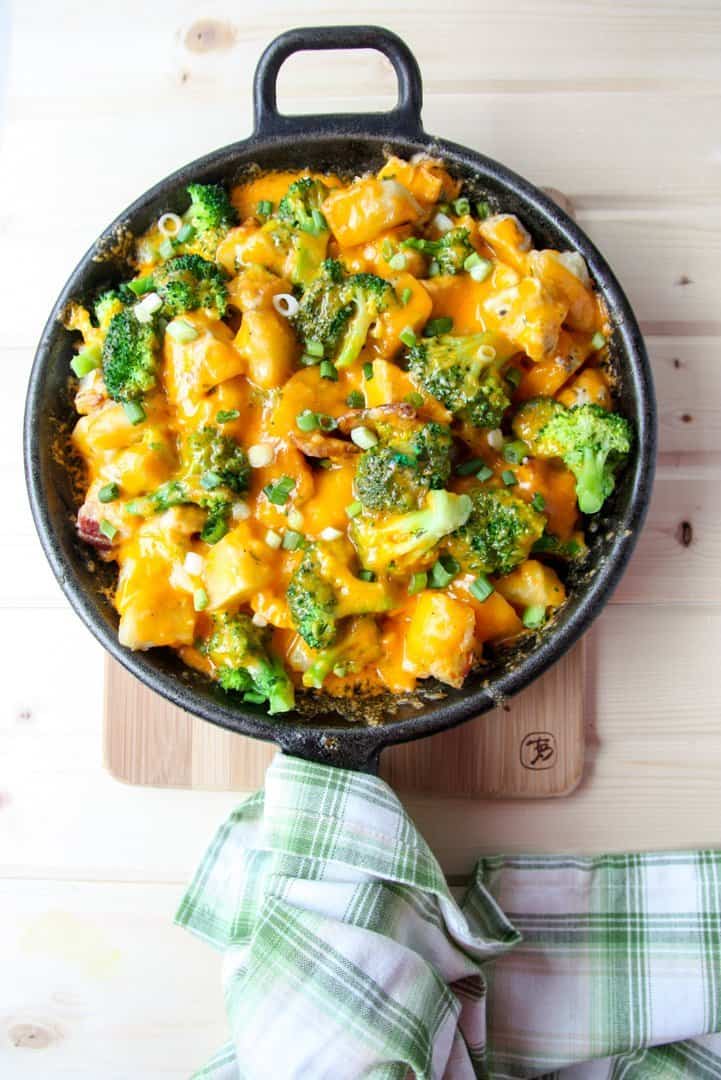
319,670
272,680
355,336
591,480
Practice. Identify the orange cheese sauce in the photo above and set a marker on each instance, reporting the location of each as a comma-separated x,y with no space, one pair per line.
247,375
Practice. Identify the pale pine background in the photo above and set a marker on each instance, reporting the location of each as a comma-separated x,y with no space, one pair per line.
617,104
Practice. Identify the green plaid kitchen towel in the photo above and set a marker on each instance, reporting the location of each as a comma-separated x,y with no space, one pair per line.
345,955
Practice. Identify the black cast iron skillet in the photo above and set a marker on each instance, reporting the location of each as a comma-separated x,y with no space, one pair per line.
349,143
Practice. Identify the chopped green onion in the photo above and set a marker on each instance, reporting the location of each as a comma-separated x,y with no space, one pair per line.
408,337
108,529
326,423
314,348
514,376
444,207
515,451
398,261
366,575
279,492
598,340
468,467
134,412
135,508
108,493
483,210
254,697
484,473
368,371
442,325
292,540
182,331
185,232
353,509
166,250
434,268
142,284
474,259
264,208
210,480
307,420
509,477
225,416
481,588
200,599
273,539
461,207
406,295
364,437
328,370
214,529
480,270
538,502
307,360
534,616
87,360
417,583
414,398
387,249
319,221
355,400
443,571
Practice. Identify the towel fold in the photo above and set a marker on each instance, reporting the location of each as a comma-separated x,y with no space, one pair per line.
345,954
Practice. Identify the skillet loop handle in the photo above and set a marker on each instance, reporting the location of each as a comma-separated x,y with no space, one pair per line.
403,120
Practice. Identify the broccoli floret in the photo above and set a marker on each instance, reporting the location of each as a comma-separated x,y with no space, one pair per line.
323,591
211,214
498,534
400,543
301,205
531,418
462,373
129,357
188,282
339,311
450,252
239,649
358,646
172,493
107,305
312,602
397,472
217,460
593,443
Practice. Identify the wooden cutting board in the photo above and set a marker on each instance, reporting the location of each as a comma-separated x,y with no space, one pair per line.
533,747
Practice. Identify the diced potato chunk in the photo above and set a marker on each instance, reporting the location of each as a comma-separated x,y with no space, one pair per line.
193,368
547,377
236,568
268,345
440,641
552,268
588,388
508,238
528,316
532,584
426,179
367,208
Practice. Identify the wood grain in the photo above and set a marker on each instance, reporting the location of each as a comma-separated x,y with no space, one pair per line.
150,742
624,118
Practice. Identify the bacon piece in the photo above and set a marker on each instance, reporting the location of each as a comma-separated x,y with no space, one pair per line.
89,530
316,445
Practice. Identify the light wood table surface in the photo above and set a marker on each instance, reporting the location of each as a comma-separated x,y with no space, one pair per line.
618,105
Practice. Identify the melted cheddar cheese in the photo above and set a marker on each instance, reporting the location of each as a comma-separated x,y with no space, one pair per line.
243,388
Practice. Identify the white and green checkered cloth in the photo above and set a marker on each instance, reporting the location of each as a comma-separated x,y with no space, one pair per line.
345,955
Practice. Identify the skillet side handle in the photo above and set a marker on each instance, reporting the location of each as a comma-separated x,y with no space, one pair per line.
361,753
403,120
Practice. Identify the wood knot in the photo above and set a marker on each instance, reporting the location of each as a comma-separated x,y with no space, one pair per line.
685,533
677,362
686,417
33,1036
684,280
209,35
